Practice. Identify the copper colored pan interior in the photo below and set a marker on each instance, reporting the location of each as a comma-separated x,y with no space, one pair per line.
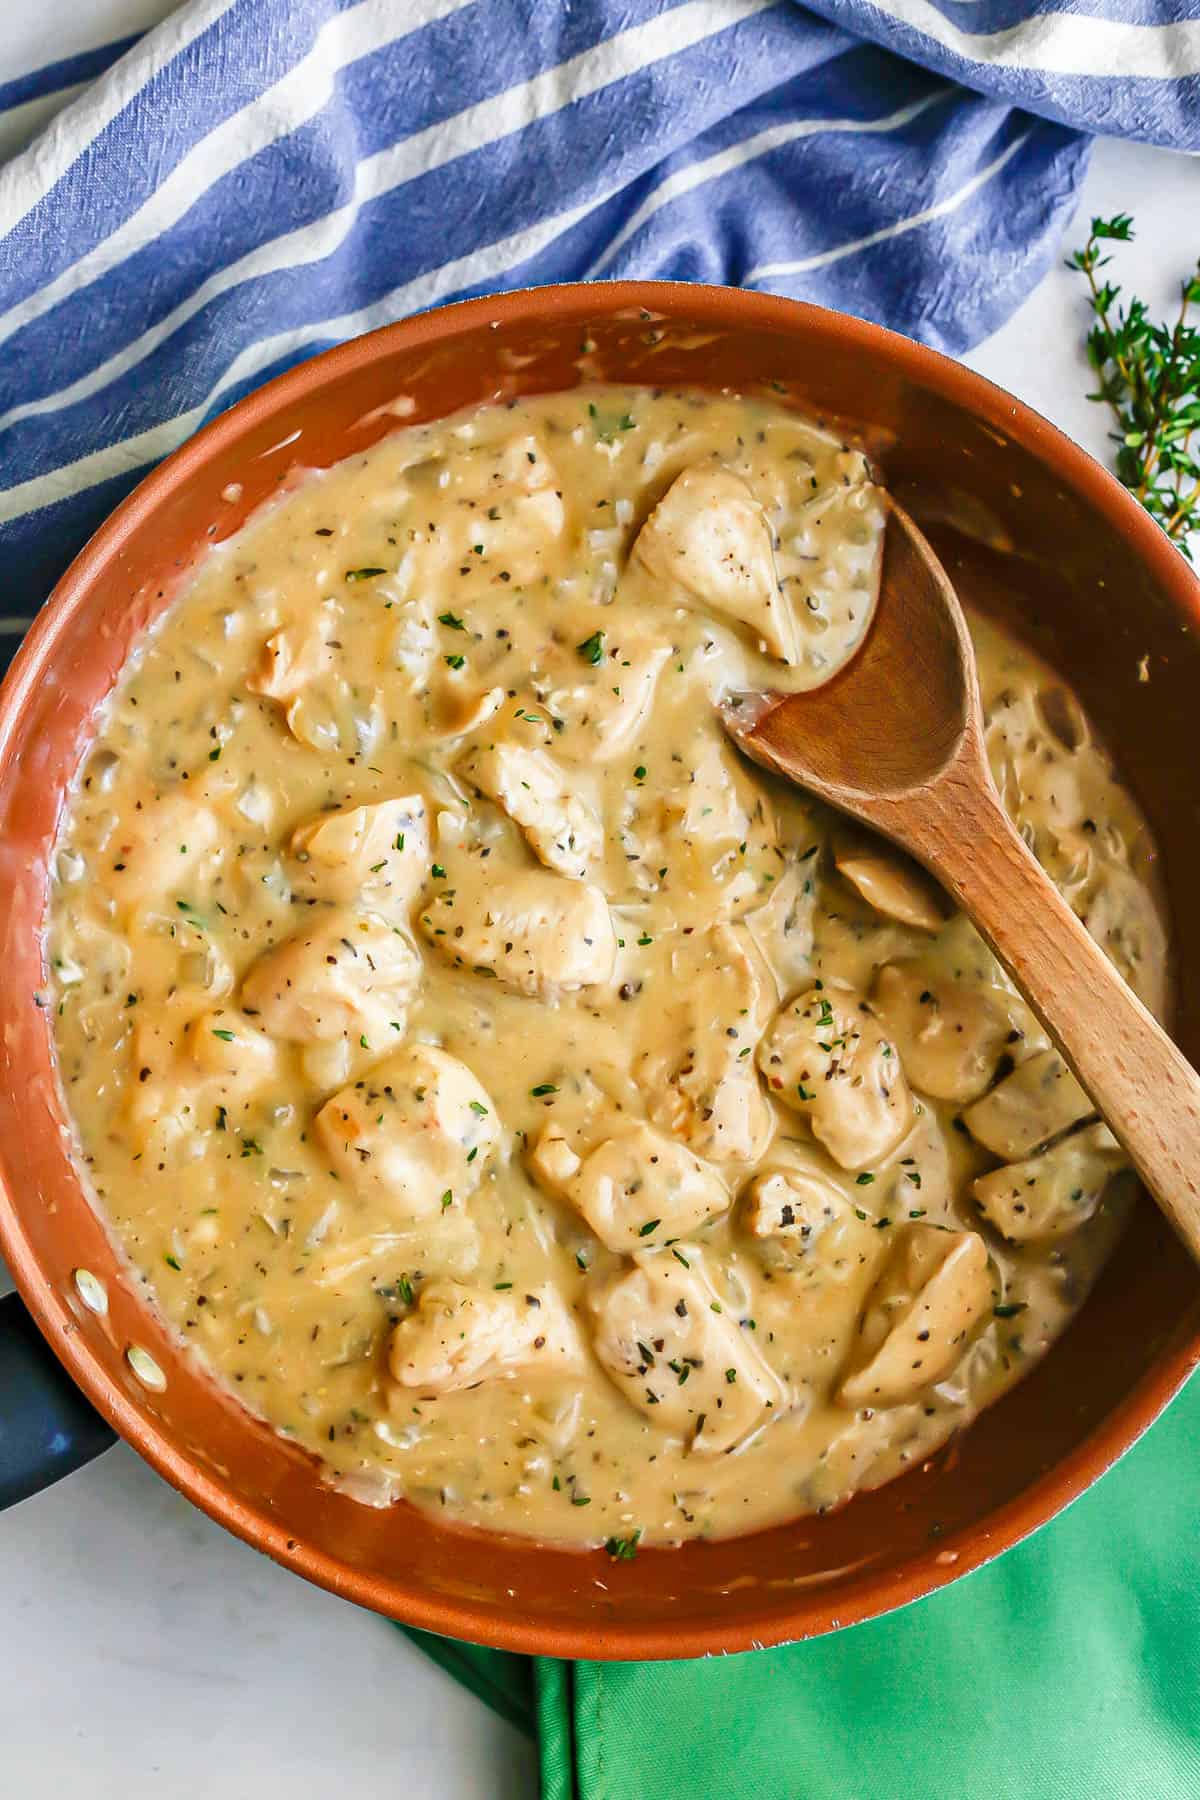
1090,583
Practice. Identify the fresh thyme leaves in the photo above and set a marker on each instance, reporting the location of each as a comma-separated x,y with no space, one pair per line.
623,1549
1148,374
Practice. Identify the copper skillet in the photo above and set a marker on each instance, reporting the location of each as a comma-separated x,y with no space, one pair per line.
1029,527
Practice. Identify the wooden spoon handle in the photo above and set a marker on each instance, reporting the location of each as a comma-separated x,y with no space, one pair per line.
1146,1090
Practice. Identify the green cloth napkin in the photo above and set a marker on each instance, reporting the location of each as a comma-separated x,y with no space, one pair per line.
1067,1670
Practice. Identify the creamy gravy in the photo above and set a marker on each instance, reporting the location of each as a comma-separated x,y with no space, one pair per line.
518,1100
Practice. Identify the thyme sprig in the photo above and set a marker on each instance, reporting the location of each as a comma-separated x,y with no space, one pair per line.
1149,377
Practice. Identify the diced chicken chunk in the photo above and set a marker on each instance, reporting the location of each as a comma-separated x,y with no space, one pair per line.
165,848
460,1336
827,1059
347,974
560,827
415,1134
796,1201
536,932
458,713
1049,1196
933,1293
553,1161
698,1072
191,1074
679,1357
709,540
226,1044
601,713
890,881
782,926
710,827
636,1189
950,1034
377,853
292,658
1040,1099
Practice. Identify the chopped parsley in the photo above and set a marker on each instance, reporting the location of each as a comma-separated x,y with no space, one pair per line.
452,620
542,1089
592,648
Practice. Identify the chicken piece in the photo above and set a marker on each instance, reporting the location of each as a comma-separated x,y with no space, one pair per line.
190,1075
168,847
292,658
348,974
636,1189
457,713
377,854
662,1335
950,1034
890,882
553,1161
921,1176
698,1071
799,1201
1048,1197
537,932
933,1293
460,1336
708,539
1040,1099
826,1058
227,1045
602,711
414,1135
711,828
561,829
782,927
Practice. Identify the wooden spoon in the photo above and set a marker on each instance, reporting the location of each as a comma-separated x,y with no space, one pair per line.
895,739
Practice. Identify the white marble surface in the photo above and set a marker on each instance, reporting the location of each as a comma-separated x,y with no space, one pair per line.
145,1652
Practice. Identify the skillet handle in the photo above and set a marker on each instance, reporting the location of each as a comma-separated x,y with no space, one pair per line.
47,1428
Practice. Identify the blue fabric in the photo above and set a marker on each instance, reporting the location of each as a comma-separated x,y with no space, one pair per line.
258,179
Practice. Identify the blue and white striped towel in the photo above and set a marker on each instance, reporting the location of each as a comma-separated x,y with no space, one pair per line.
258,179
